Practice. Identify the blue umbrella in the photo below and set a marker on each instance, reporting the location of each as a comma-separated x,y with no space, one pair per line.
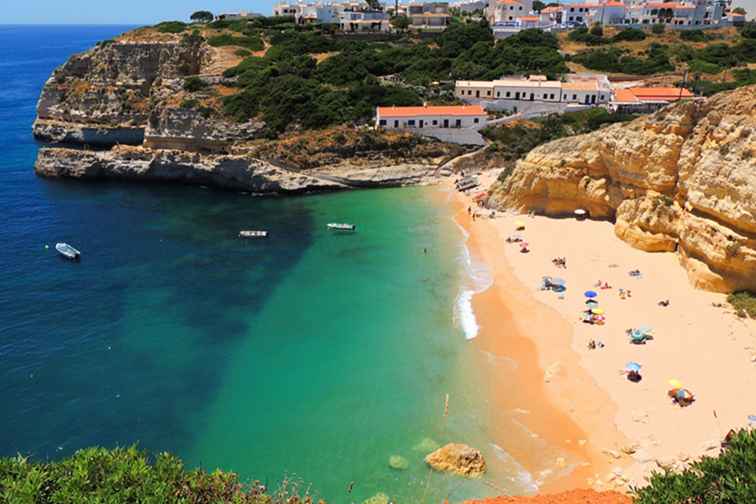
591,294
632,367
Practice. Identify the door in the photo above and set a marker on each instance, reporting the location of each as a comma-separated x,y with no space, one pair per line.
421,123
446,123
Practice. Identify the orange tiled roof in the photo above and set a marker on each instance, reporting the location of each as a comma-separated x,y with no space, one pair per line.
651,94
447,110
508,2
529,18
551,10
669,5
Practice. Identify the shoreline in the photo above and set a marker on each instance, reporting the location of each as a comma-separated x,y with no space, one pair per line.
526,411
614,432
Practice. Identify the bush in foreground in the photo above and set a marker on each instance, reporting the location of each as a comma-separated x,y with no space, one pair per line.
125,475
729,478
744,303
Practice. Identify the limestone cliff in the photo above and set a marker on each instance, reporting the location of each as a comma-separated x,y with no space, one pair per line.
681,179
162,94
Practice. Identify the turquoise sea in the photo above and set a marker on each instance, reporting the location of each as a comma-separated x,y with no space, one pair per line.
309,355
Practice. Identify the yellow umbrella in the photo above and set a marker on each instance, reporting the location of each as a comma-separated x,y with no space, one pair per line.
675,384
598,311
519,225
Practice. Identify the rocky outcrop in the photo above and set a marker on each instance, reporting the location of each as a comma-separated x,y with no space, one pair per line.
459,459
681,179
151,104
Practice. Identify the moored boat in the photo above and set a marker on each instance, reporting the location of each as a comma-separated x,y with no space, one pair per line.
67,251
253,234
342,227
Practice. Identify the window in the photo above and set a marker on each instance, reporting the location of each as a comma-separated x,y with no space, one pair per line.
498,94
411,122
574,97
458,123
508,94
435,122
476,120
396,124
382,122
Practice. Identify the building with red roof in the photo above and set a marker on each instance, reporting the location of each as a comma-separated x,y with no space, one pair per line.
431,116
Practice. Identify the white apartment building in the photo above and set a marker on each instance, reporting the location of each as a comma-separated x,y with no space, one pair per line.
578,89
431,116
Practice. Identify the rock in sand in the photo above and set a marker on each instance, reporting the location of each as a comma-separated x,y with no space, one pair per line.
459,459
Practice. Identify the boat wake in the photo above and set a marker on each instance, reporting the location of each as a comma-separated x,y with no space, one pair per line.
476,280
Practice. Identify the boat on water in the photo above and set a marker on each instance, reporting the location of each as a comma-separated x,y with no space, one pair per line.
342,227
253,234
67,251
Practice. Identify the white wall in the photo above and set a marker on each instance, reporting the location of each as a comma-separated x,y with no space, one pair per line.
404,122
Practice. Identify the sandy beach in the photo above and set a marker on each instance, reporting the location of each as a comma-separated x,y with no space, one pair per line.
577,399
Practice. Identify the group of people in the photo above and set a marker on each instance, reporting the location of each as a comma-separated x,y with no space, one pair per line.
560,262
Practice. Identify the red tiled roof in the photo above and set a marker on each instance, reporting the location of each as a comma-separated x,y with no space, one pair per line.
447,110
614,4
552,9
651,94
508,2
529,18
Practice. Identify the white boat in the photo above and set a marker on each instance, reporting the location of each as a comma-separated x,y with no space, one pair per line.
67,251
342,227
253,234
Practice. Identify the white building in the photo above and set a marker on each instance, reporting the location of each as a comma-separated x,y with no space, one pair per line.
431,116
503,11
579,89
358,21
284,9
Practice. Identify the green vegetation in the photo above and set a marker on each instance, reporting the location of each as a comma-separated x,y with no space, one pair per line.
202,16
121,475
400,22
613,59
700,66
594,36
749,30
513,142
694,36
252,42
629,35
288,88
744,303
657,29
171,27
730,478
192,84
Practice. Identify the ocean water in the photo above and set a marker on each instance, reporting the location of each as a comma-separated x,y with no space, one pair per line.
309,355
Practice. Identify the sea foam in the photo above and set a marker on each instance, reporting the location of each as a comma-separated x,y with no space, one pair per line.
477,278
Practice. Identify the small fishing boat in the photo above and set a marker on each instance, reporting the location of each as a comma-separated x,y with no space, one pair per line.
253,234
67,251
342,227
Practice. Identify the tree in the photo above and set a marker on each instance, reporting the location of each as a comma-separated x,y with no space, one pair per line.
538,5
202,16
739,10
658,29
597,30
400,23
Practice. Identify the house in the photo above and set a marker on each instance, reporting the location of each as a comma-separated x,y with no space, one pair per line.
470,6
362,21
647,99
315,14
582,89
503,11
551,16
431,116
580,14
284,9
430,15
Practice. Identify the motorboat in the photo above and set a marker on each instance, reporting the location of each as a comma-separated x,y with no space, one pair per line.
253,234
68,251
342,227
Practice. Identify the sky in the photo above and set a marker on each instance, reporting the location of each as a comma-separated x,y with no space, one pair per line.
144,11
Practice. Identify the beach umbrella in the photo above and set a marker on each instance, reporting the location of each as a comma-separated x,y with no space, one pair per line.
591,302
591,294
675,383
645,329
633,367
683,395
519,225
559,281
597,311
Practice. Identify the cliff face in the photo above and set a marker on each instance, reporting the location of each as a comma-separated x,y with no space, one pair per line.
133,91
682,179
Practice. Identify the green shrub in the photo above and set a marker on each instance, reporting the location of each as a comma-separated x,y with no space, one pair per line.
699,66
729,478
629,35
657,29
694,36
125,475
744,303
749,30
193,84
613,59
171,27
593,37
242,53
